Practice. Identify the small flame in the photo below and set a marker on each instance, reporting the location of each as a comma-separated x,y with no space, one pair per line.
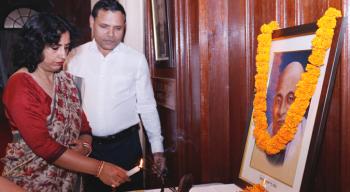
264,183
141,164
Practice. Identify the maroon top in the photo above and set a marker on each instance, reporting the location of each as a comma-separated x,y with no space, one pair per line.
27,107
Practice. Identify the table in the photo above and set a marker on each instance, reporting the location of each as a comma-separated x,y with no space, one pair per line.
210,187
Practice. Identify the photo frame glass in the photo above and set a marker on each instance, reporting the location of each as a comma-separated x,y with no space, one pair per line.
160,30
284,171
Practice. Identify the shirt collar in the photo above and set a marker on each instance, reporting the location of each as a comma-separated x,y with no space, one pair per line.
116,49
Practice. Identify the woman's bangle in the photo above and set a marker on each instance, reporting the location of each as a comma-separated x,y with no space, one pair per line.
88,147
99,169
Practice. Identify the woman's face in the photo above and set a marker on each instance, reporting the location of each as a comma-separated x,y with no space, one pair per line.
55,55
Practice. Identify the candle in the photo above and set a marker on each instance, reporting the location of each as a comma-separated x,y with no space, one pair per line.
135,169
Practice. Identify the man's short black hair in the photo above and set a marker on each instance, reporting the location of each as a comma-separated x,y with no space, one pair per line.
107,5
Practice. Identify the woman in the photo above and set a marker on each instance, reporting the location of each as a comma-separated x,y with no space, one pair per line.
42,103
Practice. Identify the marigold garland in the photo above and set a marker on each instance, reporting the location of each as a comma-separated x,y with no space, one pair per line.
255,188
305,87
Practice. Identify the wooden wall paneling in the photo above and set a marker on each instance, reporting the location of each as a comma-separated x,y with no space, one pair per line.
188,76
193,129
218,94
204,88
165,92
179,55
182,136
327,175
167,116
263,13
78,13
240,78
180,62
312,9
150,180
344,144
286,13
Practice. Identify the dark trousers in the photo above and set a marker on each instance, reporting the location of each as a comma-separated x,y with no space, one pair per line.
126,153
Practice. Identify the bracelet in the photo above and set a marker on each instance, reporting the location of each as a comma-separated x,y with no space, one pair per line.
88,147
100,167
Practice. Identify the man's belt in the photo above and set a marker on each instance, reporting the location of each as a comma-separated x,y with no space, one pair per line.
116,137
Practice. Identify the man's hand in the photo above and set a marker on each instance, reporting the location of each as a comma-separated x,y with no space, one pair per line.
81,147
159,167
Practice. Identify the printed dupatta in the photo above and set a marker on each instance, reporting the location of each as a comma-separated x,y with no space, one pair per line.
32,172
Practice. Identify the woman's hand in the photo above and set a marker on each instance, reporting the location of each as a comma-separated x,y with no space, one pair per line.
112,175
108,173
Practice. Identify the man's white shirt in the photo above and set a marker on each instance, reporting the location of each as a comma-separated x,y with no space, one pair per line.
116,88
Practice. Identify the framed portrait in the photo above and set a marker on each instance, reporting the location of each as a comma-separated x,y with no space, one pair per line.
160,29
292,169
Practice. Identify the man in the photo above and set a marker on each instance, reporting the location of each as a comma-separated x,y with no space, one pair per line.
282,165
284,97
116,89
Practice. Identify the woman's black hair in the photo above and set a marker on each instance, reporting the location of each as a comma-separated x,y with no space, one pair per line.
43,29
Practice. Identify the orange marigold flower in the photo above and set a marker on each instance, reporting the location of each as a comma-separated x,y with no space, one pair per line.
305,87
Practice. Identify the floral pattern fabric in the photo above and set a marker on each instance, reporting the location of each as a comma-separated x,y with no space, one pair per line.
33,173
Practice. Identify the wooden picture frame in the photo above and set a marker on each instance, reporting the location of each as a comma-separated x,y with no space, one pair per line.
160,30
296,173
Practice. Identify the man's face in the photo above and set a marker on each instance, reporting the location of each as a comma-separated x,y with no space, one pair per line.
284,95
108,29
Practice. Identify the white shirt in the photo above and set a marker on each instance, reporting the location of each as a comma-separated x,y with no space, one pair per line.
116,88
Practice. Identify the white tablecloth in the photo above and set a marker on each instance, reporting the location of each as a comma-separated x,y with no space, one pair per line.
216,188
210,187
